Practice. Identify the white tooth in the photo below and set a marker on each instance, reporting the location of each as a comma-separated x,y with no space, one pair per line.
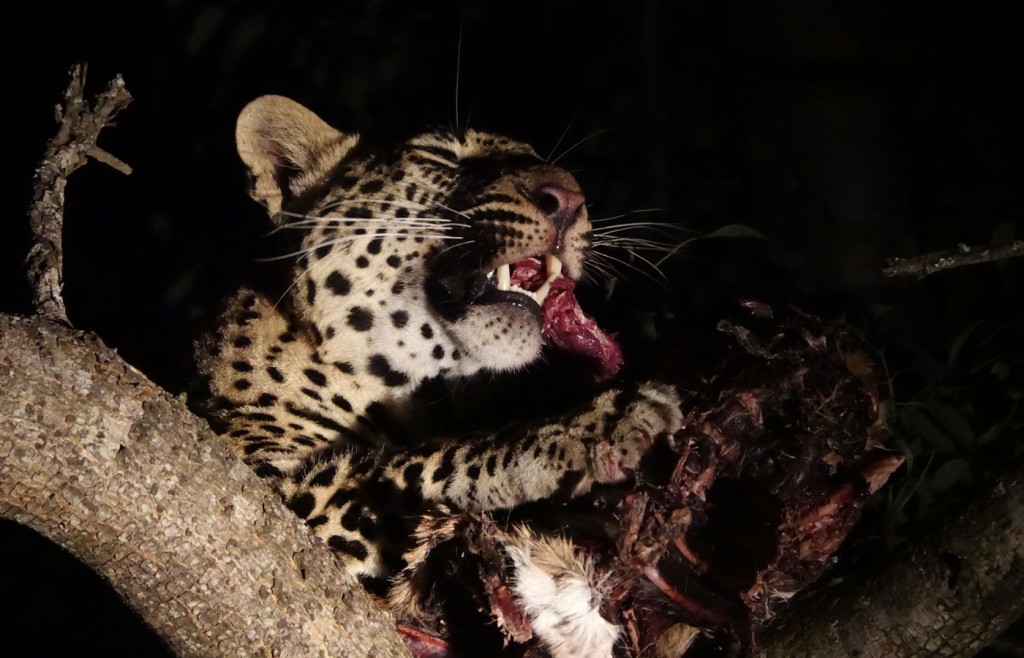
540,294
553,265
554,268
504,277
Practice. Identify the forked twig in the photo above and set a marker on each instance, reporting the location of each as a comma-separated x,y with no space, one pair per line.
946,260
72,146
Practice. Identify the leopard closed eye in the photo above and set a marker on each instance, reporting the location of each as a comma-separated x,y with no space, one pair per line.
449,255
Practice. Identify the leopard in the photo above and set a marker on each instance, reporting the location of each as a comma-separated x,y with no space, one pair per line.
451,254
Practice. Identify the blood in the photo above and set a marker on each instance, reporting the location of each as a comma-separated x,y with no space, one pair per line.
565,323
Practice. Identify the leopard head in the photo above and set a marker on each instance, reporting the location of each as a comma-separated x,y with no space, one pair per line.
443,255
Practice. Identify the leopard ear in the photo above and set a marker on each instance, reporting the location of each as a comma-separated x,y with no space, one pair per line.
288,149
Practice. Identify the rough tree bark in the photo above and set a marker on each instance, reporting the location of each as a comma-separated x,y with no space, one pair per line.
950,596
941,261
106,464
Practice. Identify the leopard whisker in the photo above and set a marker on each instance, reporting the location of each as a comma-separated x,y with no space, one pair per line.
399,203
664,280
363,223
638,211
353,238
602,269
571,148
464,243
324,214
442,225
662,227
639,243
392,228
360,200
295,280
458,76
311,221
560,138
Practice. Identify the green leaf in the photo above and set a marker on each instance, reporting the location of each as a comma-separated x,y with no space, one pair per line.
996,431
1000,371
735,231
952,422
923,427
950,474
206,24
1002,234
958,344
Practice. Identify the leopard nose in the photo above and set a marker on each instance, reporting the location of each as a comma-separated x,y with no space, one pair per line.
561,205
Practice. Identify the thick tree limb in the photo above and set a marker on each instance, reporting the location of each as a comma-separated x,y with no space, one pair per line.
949,597
103,462
947,260
70,148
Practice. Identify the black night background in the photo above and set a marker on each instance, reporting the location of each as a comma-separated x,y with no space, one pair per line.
844,132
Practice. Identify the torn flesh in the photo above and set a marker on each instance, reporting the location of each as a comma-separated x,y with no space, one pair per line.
564,324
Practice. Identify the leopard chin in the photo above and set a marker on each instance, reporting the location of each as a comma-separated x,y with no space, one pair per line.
498,318
505,336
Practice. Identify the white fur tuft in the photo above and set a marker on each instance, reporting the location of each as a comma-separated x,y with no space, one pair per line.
557,591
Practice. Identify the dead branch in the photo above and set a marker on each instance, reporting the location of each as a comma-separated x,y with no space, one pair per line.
75,141
106,464
946,260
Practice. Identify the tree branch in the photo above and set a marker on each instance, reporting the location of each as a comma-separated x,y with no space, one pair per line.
69,149
947,260
106,464
950,596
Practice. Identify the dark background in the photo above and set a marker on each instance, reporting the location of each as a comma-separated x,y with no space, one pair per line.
845,132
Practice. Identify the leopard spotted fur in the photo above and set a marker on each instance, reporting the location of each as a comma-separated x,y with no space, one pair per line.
387,291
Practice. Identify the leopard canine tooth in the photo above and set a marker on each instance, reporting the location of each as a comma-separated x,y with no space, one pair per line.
504,277
554,268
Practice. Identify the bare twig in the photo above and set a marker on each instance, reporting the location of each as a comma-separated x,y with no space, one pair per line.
947,260
69,149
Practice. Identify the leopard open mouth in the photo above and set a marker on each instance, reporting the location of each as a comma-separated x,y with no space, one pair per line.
538,285
528,279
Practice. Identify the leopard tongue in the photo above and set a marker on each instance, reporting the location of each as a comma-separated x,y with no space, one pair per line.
565,324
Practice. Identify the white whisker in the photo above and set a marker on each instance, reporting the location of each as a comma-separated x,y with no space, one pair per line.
348,239
664,227
601,220
398,203
458,73
465,243
638,269
560,138
640,243
295,280
570,149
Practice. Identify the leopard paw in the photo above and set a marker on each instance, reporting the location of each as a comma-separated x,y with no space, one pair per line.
654,411
658,408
